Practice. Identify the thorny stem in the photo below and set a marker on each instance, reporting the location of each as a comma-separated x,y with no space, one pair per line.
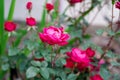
73,67
112,18
54,49
111,38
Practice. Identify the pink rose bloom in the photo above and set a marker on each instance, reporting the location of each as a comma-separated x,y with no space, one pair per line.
90,52
77,55
117,5
69,63
29,5
53,35
49,7
72,2
31,21
96,77
9,26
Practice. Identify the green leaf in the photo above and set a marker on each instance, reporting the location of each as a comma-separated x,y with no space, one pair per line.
105,73
63,61
62,75
99,49
110,54
11,10
20,35
1,26
13,51
30,44
117,34
71,77
99,32
32,72
60,62
51,71
111,33
44,64
43,20
44,72
5,67
57,79
74,34
36,63
87,36
114,63
113,2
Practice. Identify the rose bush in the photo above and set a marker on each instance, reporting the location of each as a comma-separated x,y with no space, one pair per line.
49,52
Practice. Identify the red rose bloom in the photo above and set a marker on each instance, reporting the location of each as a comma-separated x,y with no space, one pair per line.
96,77
49,7
90,52
69,63
53,35
117,5
72,2
29,5
9,26
83,65
31,21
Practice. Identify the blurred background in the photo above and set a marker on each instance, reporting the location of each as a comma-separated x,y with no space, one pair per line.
103,11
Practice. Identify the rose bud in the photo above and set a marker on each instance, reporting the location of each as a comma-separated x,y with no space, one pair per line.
49,7
117,5
29,6
72,2
90,52
9,26
31,21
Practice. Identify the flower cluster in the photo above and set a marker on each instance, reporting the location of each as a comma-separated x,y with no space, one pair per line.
53,35
81,59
